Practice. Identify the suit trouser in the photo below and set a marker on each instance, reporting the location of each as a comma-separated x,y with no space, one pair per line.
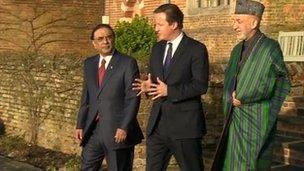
95,151
161,146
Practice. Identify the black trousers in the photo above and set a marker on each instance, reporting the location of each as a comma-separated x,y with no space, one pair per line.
95,151
161,146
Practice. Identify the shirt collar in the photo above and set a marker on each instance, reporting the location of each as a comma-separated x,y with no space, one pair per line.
253,39
177,40
107,58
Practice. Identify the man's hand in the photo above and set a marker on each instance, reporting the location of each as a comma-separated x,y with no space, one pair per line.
235,101
158,90
142,85
79,134
120,135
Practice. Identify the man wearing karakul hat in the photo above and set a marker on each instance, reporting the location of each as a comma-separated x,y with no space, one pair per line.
255,86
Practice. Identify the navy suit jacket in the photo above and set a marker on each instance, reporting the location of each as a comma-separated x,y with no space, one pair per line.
115,101
187,80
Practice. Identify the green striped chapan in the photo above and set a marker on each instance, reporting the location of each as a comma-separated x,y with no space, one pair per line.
262,85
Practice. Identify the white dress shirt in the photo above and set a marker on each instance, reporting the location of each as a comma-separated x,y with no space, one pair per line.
175,44
107,58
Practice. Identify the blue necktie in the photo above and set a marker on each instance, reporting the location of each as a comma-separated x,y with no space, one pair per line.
168,58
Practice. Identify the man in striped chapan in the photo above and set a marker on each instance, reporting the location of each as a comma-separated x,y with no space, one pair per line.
255,86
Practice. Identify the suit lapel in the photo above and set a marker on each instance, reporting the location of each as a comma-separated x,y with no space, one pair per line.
159,59
112,67
94,71
177,55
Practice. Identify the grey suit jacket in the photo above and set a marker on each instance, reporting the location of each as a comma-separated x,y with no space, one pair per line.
115,101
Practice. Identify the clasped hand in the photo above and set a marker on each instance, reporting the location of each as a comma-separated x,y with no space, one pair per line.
235,102
146,86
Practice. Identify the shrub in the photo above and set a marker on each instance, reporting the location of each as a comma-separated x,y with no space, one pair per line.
135,38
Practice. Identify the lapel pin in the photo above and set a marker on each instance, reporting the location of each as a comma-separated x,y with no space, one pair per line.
111,67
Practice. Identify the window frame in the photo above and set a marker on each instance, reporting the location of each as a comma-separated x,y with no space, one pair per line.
289,43
214,9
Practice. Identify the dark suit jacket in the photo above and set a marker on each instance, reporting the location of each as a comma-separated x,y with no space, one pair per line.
187,80
114,100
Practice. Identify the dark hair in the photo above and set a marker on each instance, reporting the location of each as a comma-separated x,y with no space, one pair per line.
99,26
173,14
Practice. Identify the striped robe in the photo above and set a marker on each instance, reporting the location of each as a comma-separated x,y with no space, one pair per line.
262,85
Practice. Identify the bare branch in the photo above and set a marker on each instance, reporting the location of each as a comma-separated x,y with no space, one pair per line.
16,29
41,35
6,11
14,43
49,24
49,42
39,15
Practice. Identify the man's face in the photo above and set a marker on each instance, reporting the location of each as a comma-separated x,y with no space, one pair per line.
244,26
103,41
162,28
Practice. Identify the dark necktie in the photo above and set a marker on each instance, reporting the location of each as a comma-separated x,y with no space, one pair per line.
168,58
101,72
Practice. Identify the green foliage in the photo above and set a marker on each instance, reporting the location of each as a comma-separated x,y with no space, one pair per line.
135,38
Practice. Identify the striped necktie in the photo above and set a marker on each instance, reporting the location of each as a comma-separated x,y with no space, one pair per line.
101,72
168,58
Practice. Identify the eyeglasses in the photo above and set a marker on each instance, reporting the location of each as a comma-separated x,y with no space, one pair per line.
101,39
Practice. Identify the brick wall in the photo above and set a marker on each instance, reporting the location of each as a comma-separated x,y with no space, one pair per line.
283,16
62,78
57,129
57,82
296,72
212,26
57,26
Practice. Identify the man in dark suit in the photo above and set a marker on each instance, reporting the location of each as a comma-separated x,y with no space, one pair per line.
178,77
107,124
